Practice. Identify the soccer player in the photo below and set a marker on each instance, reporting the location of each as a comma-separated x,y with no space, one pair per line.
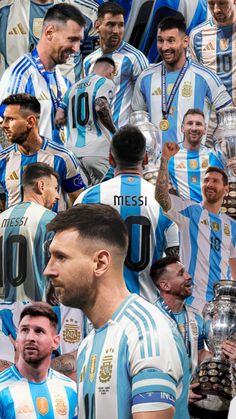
212,43
150,232
20,124
168,89
36,73
187,168
207,236
86,109
194,12
133,363
129,61
21,22
30,387
175,285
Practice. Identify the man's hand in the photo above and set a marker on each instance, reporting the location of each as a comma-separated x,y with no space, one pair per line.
193,397
60,118
229,349
169,150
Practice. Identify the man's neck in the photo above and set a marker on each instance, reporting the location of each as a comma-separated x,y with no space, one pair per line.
213,208
129,171
191,147
31,145
174,303
106,304
30,196
176,66
107,50
230,21
48,63
35,373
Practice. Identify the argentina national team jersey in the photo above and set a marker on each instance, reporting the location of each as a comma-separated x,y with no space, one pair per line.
150,231
21,24
23,259
187,169
53,398
200,88
194,12
207,242
134,363
72,327
24,77
130,62
86,135
214,47
12,164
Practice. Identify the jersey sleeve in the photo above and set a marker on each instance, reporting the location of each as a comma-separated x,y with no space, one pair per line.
192,51
14,81
72,179
180,209
217,93
171,236
140,64
138,100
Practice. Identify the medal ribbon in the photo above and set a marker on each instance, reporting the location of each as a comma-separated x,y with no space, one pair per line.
166,104
168,311
55,99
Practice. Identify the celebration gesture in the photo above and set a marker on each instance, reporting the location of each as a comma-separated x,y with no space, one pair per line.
169,150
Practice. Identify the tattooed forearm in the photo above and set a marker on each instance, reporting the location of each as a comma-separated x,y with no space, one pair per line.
104,114
172,251
162,186
66,364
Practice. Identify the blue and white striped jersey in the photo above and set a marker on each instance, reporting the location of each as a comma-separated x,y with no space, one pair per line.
214,47
199,88
130,62
12,164
195,331
23,77
86,135
22,258
21,24
72,327
136,362
150,231
187,169
207,243
53,398
194,12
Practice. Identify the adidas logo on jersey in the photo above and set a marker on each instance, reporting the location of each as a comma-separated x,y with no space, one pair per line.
209,47
43,96
157,92
13,176
181,166
17,30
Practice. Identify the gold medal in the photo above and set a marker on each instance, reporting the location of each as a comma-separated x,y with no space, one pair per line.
164,124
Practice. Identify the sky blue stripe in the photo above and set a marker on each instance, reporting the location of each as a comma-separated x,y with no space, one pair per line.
139,331
193,234
215,255
148,333
92,195
123,381
44,392
153,323
205,70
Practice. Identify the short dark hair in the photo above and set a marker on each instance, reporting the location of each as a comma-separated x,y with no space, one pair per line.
40,308
63,12
158,268
193,111
94,222
172,22
106,60
128,145
109,7
211,169
35,171
27,102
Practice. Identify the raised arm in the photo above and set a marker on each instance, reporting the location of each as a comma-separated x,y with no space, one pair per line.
162,184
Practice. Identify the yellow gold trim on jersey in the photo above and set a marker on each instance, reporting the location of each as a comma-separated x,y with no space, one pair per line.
43,96
13,176
194,328
105,372
193,164
157,92
71,332
224,44
215,226
18,30
42,405
92,369
37,26
61,406
82,374
187,90
226,230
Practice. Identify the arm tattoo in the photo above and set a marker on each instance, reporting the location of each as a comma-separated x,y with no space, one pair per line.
162,186
65,364
172,251
104,114
4,364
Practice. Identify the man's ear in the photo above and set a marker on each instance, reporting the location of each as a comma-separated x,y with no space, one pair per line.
101,260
